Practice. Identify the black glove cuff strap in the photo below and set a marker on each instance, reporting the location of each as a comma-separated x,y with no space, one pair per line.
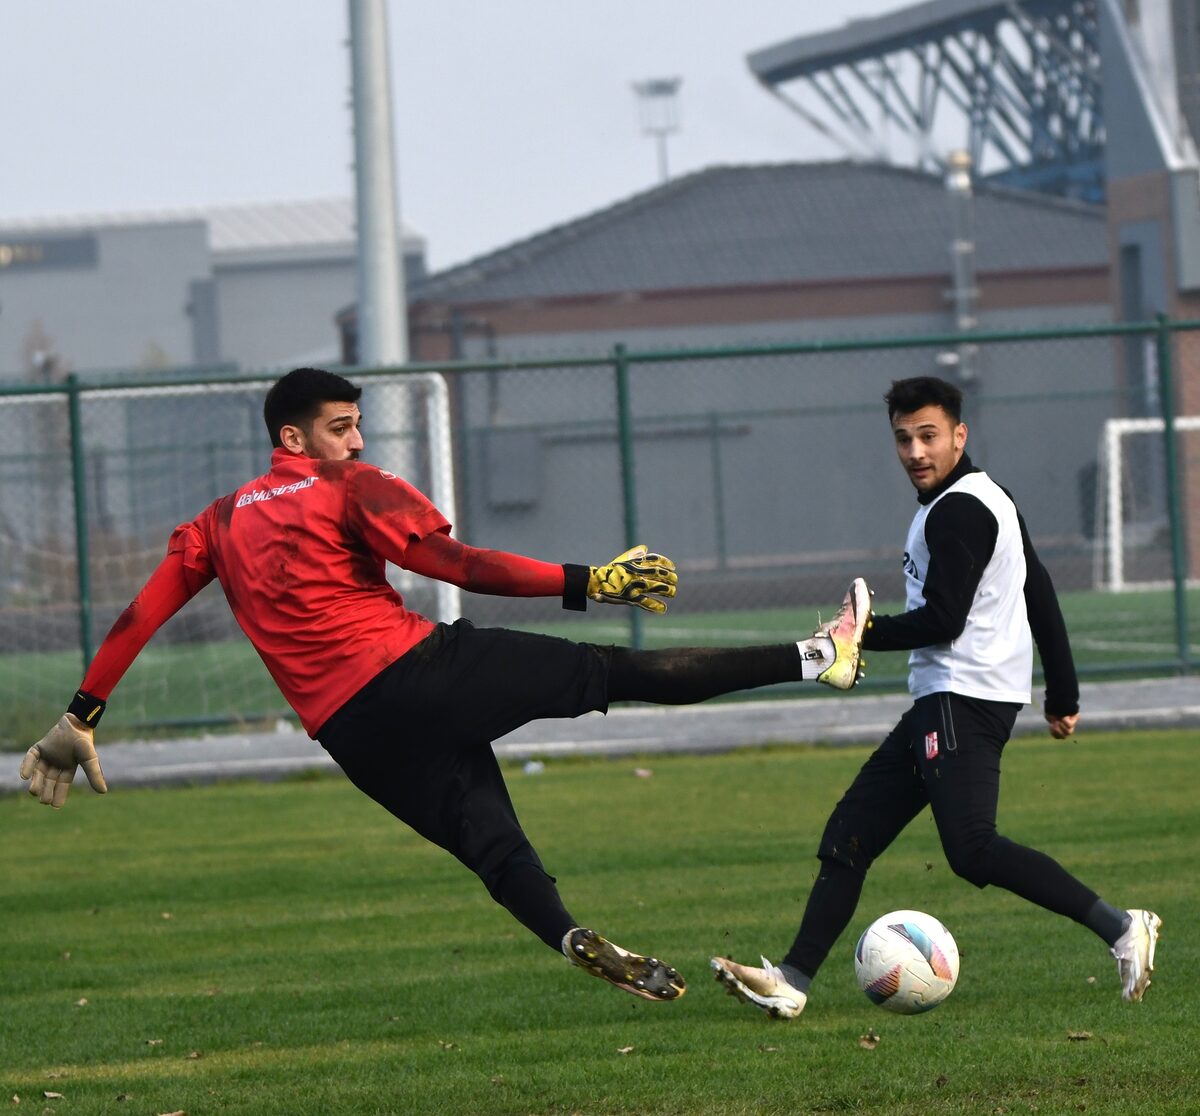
575,583
88,708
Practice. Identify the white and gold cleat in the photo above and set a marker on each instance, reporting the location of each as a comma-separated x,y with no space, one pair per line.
846,630
766,988
1134,951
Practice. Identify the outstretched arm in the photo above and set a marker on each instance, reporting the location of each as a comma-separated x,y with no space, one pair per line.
483,571
635,577
50,765
166,591
399,523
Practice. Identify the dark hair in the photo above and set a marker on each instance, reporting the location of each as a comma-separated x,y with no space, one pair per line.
906,396
296,399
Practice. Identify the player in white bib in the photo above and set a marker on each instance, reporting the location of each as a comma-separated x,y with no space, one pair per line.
978,598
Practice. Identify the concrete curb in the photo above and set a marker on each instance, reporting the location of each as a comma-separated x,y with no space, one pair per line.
643,730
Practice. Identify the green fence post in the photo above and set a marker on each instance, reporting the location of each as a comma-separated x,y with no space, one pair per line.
1166,394
79,491
718,483
628,480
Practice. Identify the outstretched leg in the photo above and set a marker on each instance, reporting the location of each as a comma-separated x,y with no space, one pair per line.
963,777
885,796
685,675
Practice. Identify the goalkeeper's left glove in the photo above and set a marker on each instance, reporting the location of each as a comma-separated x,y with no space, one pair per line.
51,763
636,577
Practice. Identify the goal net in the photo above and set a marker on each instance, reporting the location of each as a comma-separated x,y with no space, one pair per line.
151,458
1133,531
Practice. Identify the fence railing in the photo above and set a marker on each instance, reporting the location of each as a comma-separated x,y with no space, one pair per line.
766,472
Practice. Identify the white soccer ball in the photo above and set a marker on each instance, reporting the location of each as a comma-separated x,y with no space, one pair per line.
906,962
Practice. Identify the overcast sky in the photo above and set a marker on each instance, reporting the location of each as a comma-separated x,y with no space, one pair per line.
510,116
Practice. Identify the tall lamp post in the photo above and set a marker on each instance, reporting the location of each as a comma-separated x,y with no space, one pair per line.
658,108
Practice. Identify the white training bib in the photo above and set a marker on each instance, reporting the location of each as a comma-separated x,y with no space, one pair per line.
993,657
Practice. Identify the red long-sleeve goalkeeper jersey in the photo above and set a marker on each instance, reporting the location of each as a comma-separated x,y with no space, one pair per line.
300,555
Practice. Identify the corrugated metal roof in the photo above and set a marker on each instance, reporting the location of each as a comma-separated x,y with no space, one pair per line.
793,222
251,227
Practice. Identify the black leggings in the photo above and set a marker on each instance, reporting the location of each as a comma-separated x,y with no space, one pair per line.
685,675
418,737
945,752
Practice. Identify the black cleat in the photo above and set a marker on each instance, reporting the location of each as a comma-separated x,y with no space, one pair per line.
647,977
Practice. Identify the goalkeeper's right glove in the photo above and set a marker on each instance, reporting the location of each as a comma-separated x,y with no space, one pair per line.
636,577
51,763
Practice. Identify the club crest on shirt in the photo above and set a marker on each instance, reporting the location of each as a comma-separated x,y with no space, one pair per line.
931,745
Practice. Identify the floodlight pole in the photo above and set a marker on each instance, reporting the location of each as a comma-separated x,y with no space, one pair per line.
382,302
382,310
962,253
658,108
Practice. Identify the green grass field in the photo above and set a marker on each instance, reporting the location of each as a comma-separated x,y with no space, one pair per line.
190,687
291,949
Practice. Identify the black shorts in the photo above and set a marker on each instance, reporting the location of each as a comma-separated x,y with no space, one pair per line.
418,737
945,752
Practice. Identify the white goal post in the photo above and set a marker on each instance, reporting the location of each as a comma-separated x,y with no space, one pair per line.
1113,491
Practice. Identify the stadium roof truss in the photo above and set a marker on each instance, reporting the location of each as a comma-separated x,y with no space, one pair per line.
1015,84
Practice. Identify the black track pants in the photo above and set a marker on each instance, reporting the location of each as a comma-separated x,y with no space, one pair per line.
945,752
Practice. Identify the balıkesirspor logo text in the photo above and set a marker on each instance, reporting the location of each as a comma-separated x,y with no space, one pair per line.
270,493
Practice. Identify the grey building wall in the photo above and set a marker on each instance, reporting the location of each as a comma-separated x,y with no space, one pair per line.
275,314
127,309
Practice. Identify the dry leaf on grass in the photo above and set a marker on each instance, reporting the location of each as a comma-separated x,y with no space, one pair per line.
868,1041
81,1002
52,1096
1078,1036
624,1049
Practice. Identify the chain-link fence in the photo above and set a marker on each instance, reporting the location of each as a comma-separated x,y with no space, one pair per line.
767,474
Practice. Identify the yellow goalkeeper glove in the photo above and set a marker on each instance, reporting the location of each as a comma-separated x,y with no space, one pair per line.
50,765
636,577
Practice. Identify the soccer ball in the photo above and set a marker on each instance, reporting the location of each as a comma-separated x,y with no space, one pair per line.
906,962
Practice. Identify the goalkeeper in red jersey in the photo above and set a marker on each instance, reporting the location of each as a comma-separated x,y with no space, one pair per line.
409,708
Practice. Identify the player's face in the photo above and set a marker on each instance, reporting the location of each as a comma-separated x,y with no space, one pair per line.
333,436
929,444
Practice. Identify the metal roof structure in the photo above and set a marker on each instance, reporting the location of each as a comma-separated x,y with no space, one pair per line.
1015,83
738,226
